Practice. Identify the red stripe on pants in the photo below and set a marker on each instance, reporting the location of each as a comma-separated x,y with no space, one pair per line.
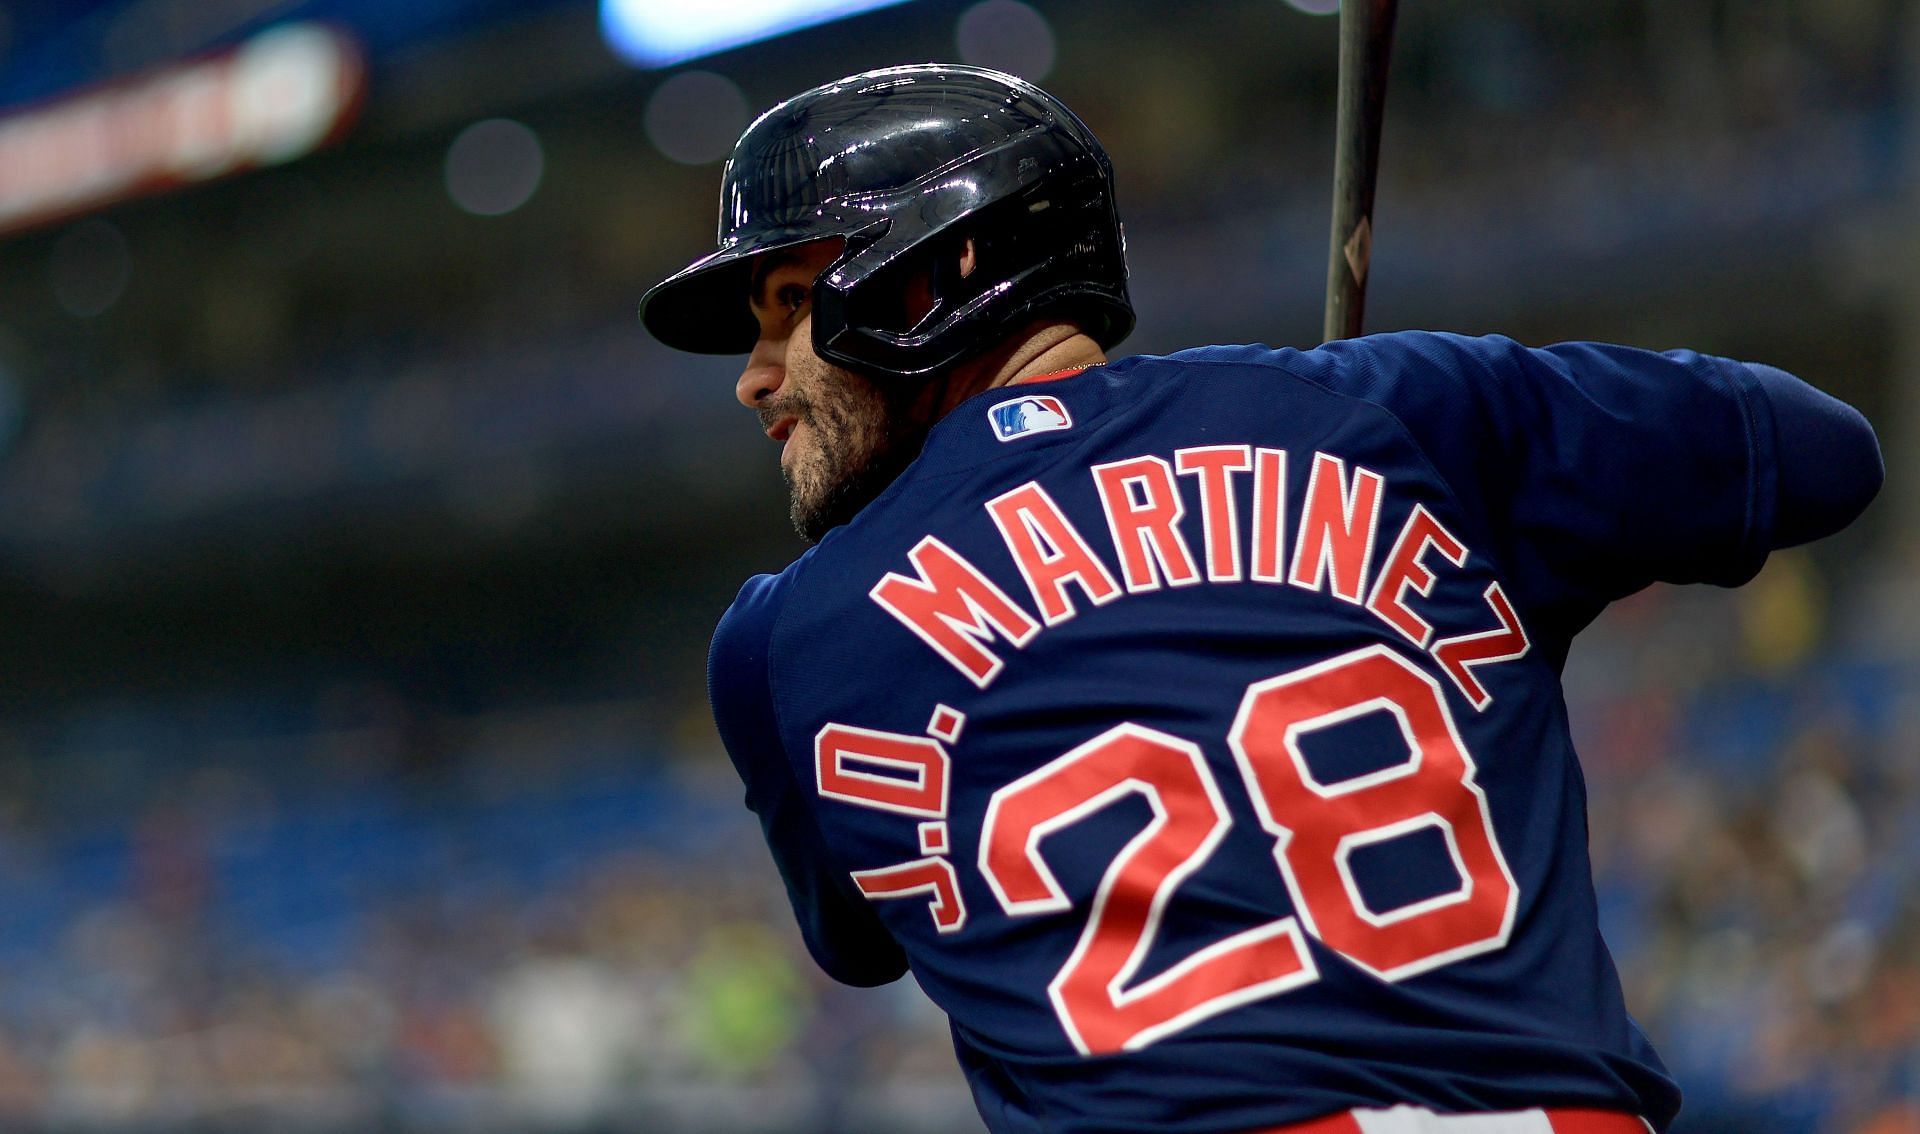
1594,1122
1562,1121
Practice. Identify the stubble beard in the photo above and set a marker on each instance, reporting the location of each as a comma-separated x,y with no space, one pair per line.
864,437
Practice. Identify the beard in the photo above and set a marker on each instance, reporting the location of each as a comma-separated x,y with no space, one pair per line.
864,436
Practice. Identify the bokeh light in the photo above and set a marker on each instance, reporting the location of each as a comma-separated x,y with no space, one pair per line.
1006,35
89,268
291,84
696,116
494,167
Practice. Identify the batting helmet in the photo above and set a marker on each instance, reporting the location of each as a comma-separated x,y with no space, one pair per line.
906,163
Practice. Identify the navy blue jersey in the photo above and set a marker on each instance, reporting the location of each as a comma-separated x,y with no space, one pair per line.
1191,726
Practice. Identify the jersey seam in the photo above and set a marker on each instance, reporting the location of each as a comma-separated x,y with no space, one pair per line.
809,799
799,568
1751,535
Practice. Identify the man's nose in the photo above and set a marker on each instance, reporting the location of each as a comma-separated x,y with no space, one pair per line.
763,375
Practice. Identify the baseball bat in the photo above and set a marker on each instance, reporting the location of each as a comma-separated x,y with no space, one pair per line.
1366,43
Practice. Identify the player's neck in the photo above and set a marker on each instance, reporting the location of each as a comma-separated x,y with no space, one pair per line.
1042,349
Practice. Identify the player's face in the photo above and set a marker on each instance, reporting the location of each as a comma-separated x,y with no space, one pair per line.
844,438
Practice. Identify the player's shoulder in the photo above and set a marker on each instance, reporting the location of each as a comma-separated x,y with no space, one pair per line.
746,629
1036,424
740,661
1345,365
1410,375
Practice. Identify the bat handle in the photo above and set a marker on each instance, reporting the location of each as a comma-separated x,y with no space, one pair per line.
1366,43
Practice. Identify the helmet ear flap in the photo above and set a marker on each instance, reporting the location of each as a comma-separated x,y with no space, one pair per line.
899,315
947,285
834,288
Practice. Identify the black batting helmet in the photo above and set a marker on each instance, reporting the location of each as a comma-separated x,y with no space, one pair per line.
905,163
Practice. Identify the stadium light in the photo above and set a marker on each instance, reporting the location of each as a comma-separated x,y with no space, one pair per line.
658,33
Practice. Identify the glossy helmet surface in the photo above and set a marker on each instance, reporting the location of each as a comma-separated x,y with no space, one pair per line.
904,163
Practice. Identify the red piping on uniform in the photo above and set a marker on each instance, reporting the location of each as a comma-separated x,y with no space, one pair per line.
1049,377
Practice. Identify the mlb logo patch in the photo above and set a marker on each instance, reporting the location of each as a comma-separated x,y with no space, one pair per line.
1037,413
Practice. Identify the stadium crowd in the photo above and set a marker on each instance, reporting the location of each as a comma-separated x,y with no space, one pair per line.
563,926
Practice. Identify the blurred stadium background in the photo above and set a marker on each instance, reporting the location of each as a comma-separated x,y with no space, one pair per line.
358,551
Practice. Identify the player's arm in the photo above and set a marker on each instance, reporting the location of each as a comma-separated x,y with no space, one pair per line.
838,924
1827,464
1604,468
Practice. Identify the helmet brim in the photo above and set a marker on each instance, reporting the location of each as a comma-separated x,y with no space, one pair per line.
704,307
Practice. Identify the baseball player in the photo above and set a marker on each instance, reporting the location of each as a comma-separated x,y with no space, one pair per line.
1190,726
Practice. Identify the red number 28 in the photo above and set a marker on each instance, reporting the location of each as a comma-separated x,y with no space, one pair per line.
1316,828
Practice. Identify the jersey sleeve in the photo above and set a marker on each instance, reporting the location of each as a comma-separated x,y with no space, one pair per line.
1600,469
845,937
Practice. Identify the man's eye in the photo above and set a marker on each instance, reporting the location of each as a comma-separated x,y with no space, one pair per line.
791,297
